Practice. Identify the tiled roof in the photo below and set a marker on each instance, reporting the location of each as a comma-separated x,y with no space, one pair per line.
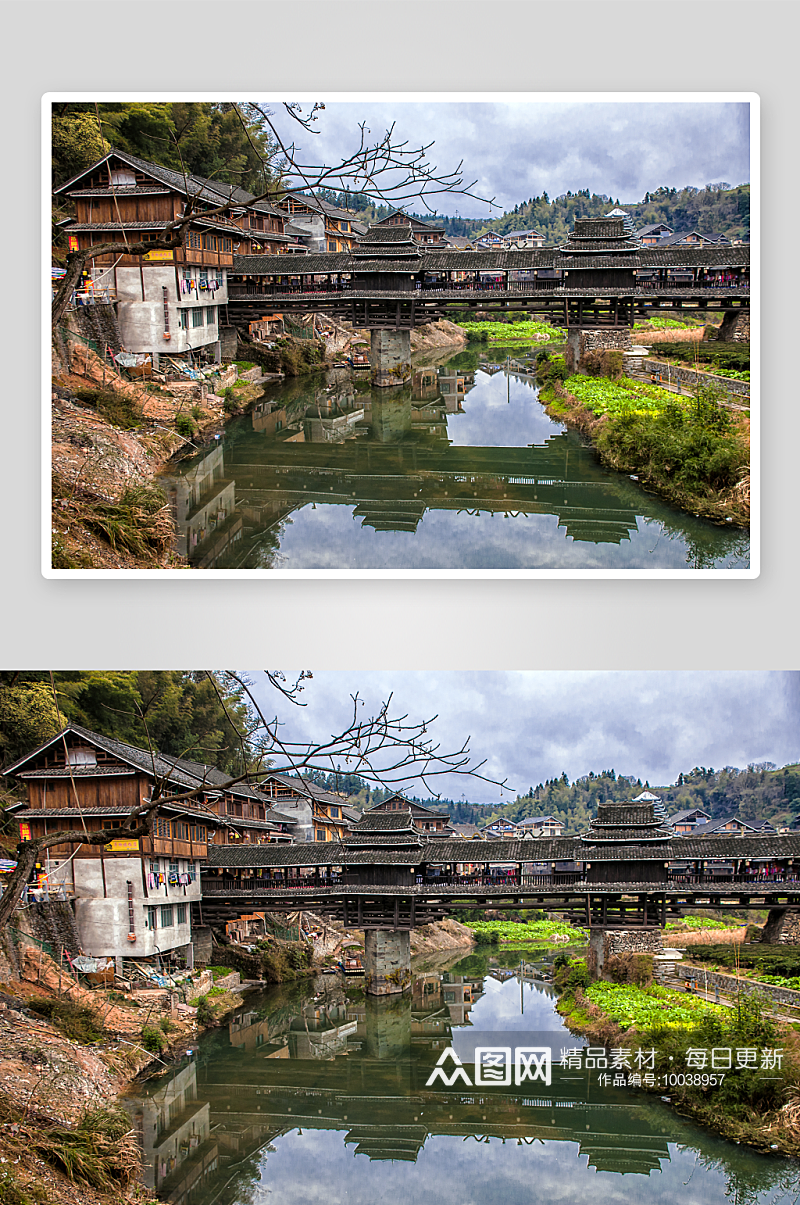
380,821
113,812
707,827
387,234
154,764
119,190
685,814
82,227
239,195
321,262
558,849
99,771
500,261
186,184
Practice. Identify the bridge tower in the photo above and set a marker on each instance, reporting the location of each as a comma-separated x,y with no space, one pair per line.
619,846
389,258
601,253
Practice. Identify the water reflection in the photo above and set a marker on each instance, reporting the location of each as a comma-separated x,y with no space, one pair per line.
460,469
305,1077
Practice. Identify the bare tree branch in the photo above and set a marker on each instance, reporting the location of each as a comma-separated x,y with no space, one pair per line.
386,171
384,749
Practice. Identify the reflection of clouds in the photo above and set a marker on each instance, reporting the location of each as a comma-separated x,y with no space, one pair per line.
491,420
320,1168
328,538
499,1008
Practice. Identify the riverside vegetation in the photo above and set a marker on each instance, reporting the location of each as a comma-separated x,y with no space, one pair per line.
694,452
633,1013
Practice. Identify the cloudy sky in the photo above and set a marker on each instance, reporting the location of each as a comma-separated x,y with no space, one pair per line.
516,150
530,726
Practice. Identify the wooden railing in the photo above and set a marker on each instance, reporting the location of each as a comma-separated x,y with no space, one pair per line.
223,884
524,287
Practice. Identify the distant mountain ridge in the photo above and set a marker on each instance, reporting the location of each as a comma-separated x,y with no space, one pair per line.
715,209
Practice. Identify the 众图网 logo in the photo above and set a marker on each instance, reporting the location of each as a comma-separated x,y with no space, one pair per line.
494,1066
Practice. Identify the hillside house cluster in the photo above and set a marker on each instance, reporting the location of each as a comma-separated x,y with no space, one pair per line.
133,896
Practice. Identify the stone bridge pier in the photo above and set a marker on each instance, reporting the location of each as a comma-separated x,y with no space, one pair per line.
390,357
387,961
608,338
611,943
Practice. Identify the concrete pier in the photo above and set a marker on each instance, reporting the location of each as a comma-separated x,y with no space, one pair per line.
387,961
390,357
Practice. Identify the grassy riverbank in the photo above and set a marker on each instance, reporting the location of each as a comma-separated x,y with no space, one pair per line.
537,932
507,333
751,1102
694,452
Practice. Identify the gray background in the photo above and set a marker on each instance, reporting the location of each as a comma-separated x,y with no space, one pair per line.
382,46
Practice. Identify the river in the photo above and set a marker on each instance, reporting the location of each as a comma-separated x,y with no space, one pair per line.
315,1093
462,469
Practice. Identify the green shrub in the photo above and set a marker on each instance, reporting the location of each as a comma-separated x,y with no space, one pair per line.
184,425
570,974
196,412
604,363
153,1039
550,369
205,1013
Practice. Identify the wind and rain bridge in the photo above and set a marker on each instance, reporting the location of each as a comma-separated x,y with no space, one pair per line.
627,874
602,279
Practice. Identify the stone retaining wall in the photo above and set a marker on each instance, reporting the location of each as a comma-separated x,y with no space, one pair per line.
229,983
609,943
689,377
729,985
735,326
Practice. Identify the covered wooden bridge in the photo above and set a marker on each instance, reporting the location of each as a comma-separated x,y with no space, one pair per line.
629,870
602,276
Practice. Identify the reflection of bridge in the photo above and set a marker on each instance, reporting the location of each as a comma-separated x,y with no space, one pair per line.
391,487
360,1068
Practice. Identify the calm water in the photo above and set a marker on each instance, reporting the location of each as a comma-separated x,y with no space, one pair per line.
313,1093
462,469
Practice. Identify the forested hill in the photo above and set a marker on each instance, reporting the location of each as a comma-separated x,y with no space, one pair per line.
761,792
715,209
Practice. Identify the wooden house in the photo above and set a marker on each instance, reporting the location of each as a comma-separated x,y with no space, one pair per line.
430,822
541,826
502,828
422,232
167,300
132,896
339,228
688,820
523,240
